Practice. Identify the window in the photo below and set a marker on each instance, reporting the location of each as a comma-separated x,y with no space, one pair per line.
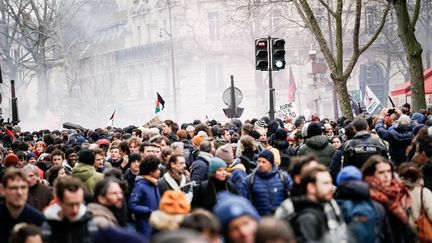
214,76
214,27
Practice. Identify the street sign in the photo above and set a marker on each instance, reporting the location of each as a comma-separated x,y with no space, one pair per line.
227,96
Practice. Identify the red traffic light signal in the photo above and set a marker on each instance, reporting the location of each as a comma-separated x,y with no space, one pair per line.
261,54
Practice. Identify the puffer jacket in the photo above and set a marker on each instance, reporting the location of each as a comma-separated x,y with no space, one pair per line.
143,200
268,191
88,175
320,147
399,138
199,168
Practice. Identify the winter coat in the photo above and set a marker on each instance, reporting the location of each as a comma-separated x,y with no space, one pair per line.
40,196
237,174
28,215
88,175
102,215
310,221
414,190
427,174
168,183
56,229
359,191
205,195
172,137
398,137
199,168
130,178
143,200
267,191
320,147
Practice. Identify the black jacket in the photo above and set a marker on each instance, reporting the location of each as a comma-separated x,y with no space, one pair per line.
205,195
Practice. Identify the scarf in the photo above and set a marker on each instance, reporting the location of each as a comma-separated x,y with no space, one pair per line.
173,183
395,197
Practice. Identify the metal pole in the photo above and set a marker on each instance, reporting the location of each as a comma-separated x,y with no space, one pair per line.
271,89
15,119
172,60
233,104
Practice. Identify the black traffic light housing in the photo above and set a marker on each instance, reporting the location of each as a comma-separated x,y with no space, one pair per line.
278,54
262,54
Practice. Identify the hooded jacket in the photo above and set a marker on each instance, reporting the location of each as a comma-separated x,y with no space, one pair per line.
88,175
398,137
267,191
56,229
199,168
320,147
143,200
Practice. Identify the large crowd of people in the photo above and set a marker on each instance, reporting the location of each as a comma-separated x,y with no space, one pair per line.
305,179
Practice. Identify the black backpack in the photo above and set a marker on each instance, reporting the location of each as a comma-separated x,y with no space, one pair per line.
356,152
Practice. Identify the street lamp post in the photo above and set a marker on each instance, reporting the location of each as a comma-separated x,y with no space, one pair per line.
170,34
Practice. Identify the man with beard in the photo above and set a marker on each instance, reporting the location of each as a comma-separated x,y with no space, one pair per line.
108,208
315,216
71,159
174,178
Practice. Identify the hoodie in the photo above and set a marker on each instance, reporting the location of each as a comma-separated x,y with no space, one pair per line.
320,147
88,175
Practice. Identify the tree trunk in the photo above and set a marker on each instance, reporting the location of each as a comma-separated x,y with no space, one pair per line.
342,94
43,87
414,54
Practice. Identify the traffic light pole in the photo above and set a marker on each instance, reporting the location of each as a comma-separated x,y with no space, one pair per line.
271,89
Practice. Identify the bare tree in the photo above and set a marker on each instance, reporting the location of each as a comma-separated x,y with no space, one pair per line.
413,49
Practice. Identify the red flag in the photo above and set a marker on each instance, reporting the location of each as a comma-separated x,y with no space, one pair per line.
10,134
292,88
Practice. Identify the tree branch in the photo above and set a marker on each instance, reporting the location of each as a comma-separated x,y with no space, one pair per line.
328,8
416,13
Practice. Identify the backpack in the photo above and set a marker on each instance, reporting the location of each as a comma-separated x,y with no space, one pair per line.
362,220
281,177
356,152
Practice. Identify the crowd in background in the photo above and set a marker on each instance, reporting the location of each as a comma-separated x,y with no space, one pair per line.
305,179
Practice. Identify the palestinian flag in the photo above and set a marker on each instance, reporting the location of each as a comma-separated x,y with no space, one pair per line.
159,102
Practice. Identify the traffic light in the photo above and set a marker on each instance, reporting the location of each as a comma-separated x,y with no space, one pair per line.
261,54
278,53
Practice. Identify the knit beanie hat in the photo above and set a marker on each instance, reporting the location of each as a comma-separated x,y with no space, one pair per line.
314,129
215,164
348,173
11,160
86,156
174,202
281,134
225,152
260,124
30,155
268,155
231,206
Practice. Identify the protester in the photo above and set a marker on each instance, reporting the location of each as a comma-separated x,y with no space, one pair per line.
317,144
205,223
68,220
199,168
14,209
205,194
378,172
145,196
315,216
239,219
86,172
174,178
267,187
39,195
26,233
107,210
274,230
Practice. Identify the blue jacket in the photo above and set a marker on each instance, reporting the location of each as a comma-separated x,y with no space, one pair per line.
268,191
399,138
200,167
238,173
143,200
